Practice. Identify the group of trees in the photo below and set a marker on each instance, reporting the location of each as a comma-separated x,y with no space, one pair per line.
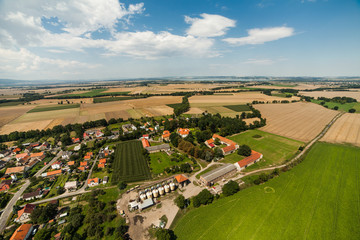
230,188
75,221
183,107
265,177
42,214
203,198
244,150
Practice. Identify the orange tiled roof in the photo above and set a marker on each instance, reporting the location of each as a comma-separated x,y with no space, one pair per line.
145,143
166,134
21,232
225,140
184,131
229,148
15,170
83,163
39,154
181,178
210,141
95,180
51,173
101,165
252,158
71,163
103,160
21,155
81,168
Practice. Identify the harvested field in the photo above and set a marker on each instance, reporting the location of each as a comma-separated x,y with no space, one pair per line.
194,110
118,114
331,94
251,120
300,121
55,101
8,114
236,98
24,126
345,130
49,115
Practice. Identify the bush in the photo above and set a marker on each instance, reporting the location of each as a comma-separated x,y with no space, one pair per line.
122,185
203,198
352,110
336,108
180,201
230,188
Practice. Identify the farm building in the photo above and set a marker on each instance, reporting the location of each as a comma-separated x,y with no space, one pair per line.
230,147
147,203
217,174
23,232
182,180
244,163
158,148
210,143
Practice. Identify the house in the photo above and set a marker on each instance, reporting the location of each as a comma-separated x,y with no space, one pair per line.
52,173
75,140
166,135
32,195
105,180
71,186
99,134
5,185
183,132
217,174
45,145
81,168
24,214
101,165
39,155
21,156
16,150
158,148
145,143
2,164
15,170
210,143
23,161
146,136
93,182
83,164
77,148
182,180
103,160
23,232
248,161
31,164
86,136
4,153
71,163
56,165
88,156
66,155
128,128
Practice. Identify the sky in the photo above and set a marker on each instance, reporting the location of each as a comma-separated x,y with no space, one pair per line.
112,39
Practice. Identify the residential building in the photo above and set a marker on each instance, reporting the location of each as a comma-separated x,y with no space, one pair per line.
71,163
101,165
166,135
32,195
5,185
66,155
71,186
145,143
75,140
210,143
83,164
52,173
93,182
183,132
81,168
103,160
56,165
39,155
24,213
217,174
15,170
23,232
105,180
248,161
21,156
2,164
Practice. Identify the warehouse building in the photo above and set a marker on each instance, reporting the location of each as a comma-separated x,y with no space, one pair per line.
217,174
163,147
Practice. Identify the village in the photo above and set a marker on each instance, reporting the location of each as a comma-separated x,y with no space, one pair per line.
52,172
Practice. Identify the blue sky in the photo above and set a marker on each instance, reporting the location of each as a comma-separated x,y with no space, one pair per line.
109,39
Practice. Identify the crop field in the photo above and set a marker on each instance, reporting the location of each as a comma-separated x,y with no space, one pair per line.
8,114
342,107
275,149
130,164
300,121
93,93
238,108
345,130
53,107
112,99
318,199
332,94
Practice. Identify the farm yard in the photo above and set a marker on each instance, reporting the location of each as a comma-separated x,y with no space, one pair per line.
275,149
130,164
315,200
300,121
345,130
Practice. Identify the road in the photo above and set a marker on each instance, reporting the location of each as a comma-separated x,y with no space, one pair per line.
9,207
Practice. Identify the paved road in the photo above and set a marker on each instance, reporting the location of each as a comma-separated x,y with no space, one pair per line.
9,207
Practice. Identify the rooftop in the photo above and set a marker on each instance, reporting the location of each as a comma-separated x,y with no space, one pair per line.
218,172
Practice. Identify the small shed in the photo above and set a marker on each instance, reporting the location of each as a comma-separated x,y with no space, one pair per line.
147,203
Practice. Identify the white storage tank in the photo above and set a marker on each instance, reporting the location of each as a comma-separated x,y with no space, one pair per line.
172,186
161,191
155,193
167,188
149,194
142,197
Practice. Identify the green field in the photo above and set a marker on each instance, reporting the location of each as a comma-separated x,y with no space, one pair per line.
113,99
318,199
174,105
238,108
53,107
275,149
130,164
9,104
342,107
160,161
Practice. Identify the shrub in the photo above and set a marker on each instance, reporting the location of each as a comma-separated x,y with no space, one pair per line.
230,188
244,150
352,110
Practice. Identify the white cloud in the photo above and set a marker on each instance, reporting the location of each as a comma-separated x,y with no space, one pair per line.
259,61
209,25
262,35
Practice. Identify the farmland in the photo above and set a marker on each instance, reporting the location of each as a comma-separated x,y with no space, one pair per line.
238,108
332,94
112,99
342,107
345,130
276,149
130,164
318,199
92,93
300,121
53,107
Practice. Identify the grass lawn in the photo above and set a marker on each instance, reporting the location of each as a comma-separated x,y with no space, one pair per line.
238,108
101,174
111,194
160,161
232,158
342,107
60,182
53,107
318,199
275,149
130,164
93,93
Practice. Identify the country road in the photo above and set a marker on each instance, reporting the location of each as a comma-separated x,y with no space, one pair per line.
9,207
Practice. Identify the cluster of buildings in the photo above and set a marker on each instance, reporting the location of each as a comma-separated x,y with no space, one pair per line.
157,148
230,147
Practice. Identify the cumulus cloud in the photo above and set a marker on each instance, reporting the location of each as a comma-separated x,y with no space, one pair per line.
262,35
209,25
